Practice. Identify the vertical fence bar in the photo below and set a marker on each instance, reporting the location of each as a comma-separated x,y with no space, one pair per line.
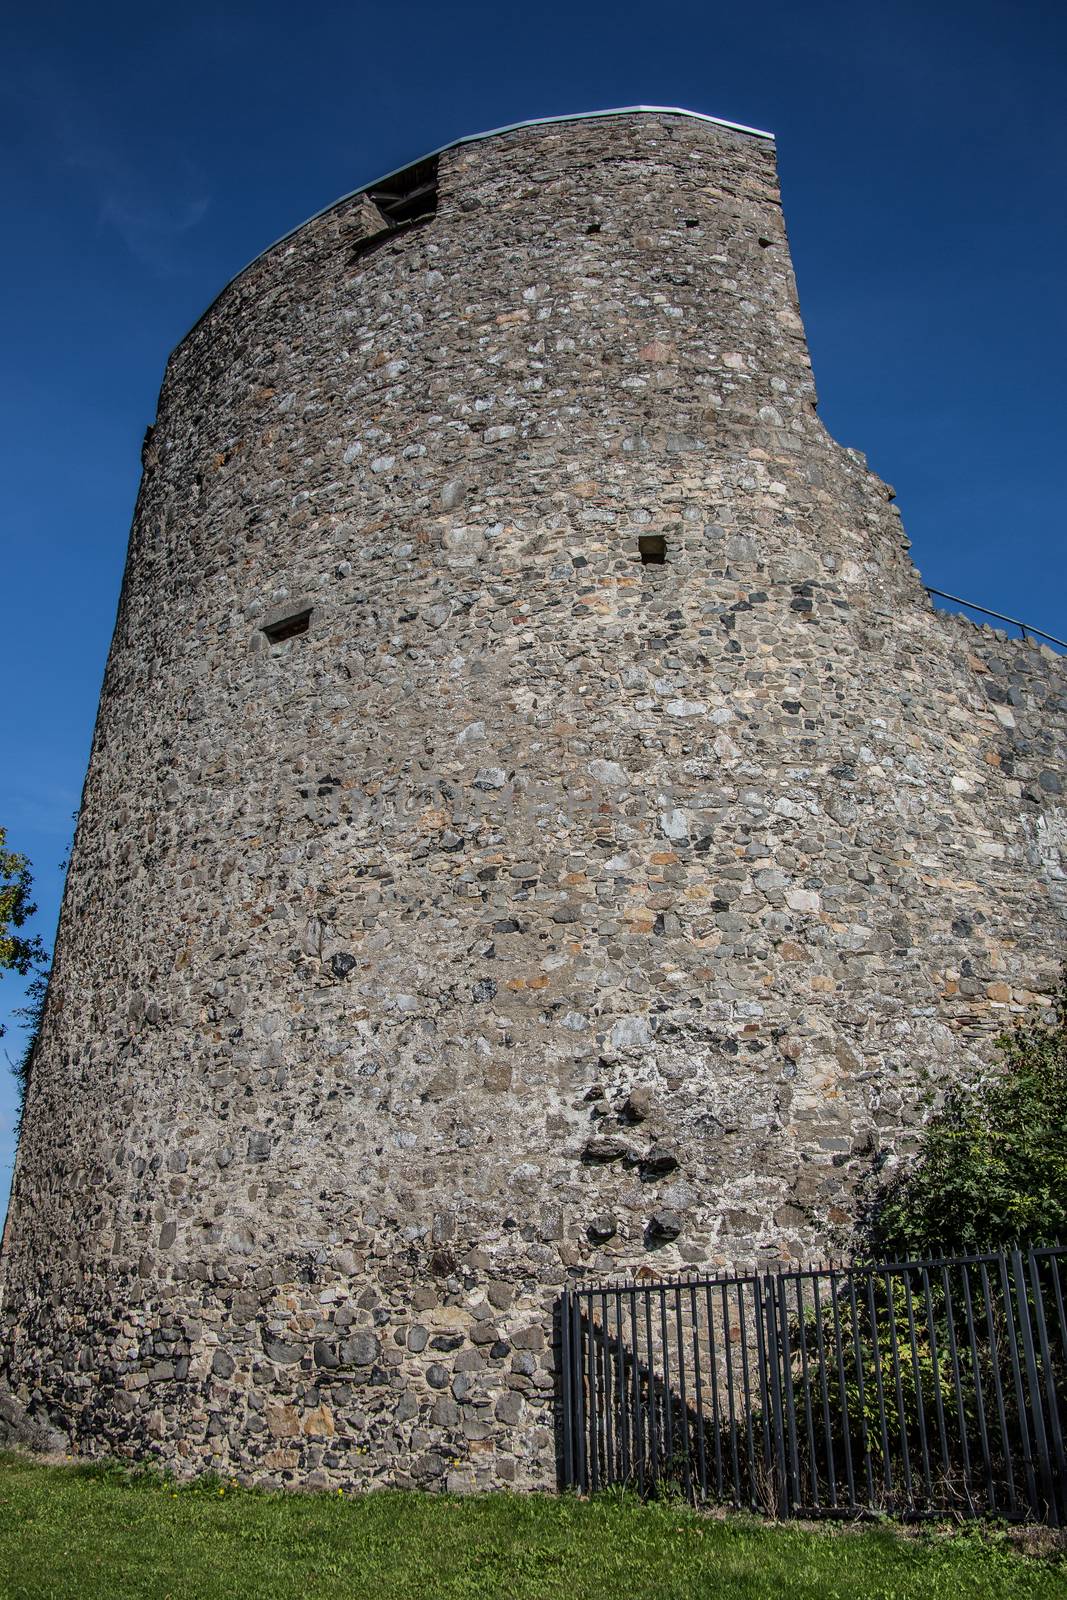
605,1390
846,1425
1050,1390
668,1420
1040,1438
979,1396
1061,1312
786,1356
1061,1328
567,1386
767,1375
805,1378
653,1459
898,1388
883,1424
776,1384
578,1367
638,1429
861,1386
624,1418
683,1399
935,1362
1016,1370
702,1469
957,1383
594,1404
820,1345
716,1404
1008,1476
917,1380
730,1397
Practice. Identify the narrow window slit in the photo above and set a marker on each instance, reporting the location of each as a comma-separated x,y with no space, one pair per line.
652,548
288,627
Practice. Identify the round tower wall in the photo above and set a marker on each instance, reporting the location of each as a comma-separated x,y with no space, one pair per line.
536,824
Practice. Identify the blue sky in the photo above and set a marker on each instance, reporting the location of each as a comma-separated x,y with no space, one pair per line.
148,153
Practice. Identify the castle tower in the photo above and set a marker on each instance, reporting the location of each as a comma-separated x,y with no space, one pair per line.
536,823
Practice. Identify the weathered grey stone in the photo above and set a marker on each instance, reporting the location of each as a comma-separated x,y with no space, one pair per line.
19,1427
608,773
665,1224
510,1408
674,824
630,1033
359,1350
604,1148
278,1350
406,1408
658,1161
638,1105
532,1338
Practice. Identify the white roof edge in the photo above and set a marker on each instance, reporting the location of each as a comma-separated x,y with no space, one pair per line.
473,138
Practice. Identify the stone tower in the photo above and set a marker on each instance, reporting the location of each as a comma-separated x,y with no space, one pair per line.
536,822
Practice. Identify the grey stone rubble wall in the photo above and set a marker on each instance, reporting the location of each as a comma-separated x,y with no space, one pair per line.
19,1430
537,912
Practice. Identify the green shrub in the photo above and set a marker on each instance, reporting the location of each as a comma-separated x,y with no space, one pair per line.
992,1166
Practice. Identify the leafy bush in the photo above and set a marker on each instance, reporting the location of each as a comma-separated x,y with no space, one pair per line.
992,1167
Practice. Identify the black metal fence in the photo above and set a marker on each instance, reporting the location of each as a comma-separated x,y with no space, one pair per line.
915,1387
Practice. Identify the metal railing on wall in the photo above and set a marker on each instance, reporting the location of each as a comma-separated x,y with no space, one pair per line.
1024,628
914,1388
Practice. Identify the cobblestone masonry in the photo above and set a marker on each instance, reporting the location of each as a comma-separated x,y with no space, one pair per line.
539,908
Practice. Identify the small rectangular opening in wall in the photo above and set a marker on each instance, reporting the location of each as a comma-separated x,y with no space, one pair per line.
408,195
288,627
653,549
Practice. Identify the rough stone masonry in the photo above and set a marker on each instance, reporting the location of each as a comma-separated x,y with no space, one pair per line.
537,825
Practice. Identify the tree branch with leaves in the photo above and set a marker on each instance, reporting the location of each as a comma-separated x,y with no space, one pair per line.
19,952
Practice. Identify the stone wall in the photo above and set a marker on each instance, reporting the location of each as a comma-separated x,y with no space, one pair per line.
539,911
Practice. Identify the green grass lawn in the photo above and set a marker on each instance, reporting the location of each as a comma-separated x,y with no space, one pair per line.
79,1533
